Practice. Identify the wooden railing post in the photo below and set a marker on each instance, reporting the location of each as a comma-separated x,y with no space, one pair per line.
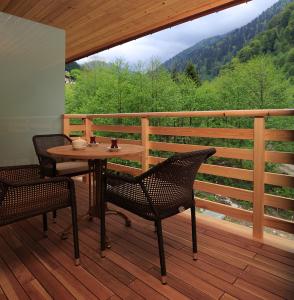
88,131
66,125
145,143
258,178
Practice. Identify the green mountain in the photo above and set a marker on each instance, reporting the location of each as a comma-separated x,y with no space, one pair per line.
211,54
277,41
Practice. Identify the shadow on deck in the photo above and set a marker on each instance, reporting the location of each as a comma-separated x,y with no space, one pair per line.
229,266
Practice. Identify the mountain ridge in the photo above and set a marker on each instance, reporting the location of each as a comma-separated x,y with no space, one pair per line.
209,55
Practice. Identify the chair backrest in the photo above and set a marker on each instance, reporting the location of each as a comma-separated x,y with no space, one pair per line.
170,183
46,141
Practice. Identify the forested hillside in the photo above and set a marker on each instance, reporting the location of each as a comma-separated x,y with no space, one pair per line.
211,54
277,41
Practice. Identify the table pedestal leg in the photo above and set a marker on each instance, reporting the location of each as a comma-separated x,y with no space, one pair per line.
98,168
128,222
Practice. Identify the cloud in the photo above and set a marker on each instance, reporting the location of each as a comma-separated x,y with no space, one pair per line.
167,43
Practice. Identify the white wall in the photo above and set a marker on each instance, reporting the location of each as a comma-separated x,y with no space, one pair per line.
31,86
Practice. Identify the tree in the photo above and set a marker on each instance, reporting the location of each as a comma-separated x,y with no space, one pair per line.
192,73
71,66
255,84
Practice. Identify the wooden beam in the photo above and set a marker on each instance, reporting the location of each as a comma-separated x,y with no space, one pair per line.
145,143
187,114
258,176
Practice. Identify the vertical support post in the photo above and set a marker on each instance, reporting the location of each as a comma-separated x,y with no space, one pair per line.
88,132
258,178
145,143
66,125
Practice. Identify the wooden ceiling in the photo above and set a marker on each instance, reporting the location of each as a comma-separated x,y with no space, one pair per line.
95,25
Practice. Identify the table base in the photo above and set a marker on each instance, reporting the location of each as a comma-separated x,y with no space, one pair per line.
97,168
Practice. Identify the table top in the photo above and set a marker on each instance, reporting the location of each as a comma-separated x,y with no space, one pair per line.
101,151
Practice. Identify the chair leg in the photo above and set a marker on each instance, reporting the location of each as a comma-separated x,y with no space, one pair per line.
102,230
54,215
155,227
75,233
161,251
90,189
194,237
45,225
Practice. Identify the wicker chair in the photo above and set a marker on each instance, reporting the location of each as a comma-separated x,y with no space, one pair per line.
161,192
56,166
23,194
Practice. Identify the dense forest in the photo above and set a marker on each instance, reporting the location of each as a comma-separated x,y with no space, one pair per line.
211,54
260,78
277,41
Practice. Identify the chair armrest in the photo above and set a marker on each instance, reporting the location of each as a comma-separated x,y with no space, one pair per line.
39,181
19,173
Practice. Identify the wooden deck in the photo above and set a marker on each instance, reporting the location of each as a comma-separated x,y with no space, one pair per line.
229,267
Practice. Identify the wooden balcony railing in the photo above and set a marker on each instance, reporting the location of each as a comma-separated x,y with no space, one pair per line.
259,135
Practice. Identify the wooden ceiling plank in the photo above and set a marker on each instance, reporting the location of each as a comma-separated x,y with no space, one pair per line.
77,14
39,8
82,38
50,9
83,28
18,7
142,11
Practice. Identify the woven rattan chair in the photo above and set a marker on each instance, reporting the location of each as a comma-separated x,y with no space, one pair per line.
161,192
23,194
56,166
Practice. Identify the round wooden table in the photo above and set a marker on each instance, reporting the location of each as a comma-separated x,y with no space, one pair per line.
97,157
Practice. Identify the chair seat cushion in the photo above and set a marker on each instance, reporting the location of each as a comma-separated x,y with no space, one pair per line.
130,197
72,167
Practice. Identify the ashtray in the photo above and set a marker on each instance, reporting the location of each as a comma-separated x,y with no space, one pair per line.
113,149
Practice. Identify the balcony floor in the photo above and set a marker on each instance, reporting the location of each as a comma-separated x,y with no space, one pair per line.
229,267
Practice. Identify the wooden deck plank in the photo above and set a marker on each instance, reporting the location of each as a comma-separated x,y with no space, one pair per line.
73,278
2,295
200,263
269,282
169,234
192,292
226,296
9,284
228,267
277,251
274,256
145,291
92,263
212,280
22,274
40,270
154,283
36,291
253,289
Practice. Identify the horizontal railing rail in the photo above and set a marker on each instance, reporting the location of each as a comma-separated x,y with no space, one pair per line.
259,135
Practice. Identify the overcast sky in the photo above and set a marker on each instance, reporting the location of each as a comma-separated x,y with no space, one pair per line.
167,43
